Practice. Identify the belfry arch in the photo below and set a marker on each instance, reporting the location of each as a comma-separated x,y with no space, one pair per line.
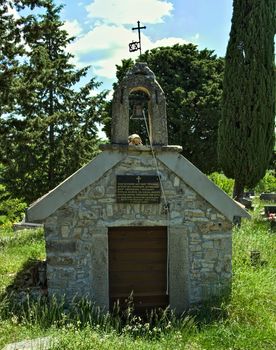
139,78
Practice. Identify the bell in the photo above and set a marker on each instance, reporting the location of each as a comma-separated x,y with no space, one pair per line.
137,112
138,100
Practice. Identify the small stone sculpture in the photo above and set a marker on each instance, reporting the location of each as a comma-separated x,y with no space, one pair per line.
134,139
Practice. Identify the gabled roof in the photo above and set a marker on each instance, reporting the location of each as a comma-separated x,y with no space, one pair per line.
94,170
193,177
88,174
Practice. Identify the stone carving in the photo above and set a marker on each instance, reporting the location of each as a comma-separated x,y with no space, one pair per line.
134,139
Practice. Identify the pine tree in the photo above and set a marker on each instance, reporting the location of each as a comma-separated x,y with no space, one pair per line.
10,50
246,132
53,130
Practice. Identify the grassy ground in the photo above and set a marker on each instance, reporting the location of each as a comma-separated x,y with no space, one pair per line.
246,321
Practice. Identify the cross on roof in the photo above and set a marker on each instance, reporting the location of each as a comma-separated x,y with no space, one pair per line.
136,45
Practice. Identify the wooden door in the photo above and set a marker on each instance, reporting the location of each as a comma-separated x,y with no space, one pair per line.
138,264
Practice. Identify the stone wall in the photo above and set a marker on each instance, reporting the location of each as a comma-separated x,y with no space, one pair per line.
199,237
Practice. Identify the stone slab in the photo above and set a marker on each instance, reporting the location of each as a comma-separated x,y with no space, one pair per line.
69,188
100,283
268,197
33,344
193,177
26,226
140,148
178,270
62,247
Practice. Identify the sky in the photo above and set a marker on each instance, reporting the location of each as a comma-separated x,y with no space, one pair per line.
103,29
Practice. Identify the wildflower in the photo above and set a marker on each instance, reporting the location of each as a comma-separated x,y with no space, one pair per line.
272,217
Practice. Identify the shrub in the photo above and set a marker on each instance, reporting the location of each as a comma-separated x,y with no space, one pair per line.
268,183
11,209
222,182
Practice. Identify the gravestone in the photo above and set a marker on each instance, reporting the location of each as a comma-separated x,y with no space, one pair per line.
268,197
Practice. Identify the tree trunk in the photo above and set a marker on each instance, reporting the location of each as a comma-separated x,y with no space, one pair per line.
238,190
51,158
51,163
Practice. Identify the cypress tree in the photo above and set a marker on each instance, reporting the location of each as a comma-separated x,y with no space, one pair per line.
246,131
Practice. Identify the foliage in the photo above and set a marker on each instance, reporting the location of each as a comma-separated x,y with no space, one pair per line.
246,321
12,49
246,132
192,82
11,209
50,130
222,182
267,183
82,313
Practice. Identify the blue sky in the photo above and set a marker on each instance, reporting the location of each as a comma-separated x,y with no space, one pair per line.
103,29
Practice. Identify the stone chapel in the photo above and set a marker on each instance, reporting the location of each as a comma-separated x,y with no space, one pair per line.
138,219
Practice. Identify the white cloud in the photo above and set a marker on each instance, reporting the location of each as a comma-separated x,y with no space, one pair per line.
167,42
106,43
101,38
107,67
73,28
128,12
110,45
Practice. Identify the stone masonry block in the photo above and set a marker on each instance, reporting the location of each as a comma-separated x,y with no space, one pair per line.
197,213
64,230
208,245
61,246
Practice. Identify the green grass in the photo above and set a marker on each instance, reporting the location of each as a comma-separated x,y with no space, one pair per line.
16,248
246,321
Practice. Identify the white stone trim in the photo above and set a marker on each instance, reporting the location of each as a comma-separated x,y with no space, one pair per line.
179,283
70,187
193,177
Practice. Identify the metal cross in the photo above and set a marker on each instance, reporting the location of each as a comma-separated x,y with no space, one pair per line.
138,178
136,45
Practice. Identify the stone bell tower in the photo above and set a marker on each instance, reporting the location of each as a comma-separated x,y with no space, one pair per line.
139,79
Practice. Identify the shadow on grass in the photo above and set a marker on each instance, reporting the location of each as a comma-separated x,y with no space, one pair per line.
31,276
29,281
211,311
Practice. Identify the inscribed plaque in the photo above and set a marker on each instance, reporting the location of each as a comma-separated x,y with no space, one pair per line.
138,189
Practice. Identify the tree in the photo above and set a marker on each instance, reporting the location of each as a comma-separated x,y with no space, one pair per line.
192,82
52,131
12,48
246,132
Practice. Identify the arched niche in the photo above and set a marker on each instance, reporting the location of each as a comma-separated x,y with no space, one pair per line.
139,114
139,78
